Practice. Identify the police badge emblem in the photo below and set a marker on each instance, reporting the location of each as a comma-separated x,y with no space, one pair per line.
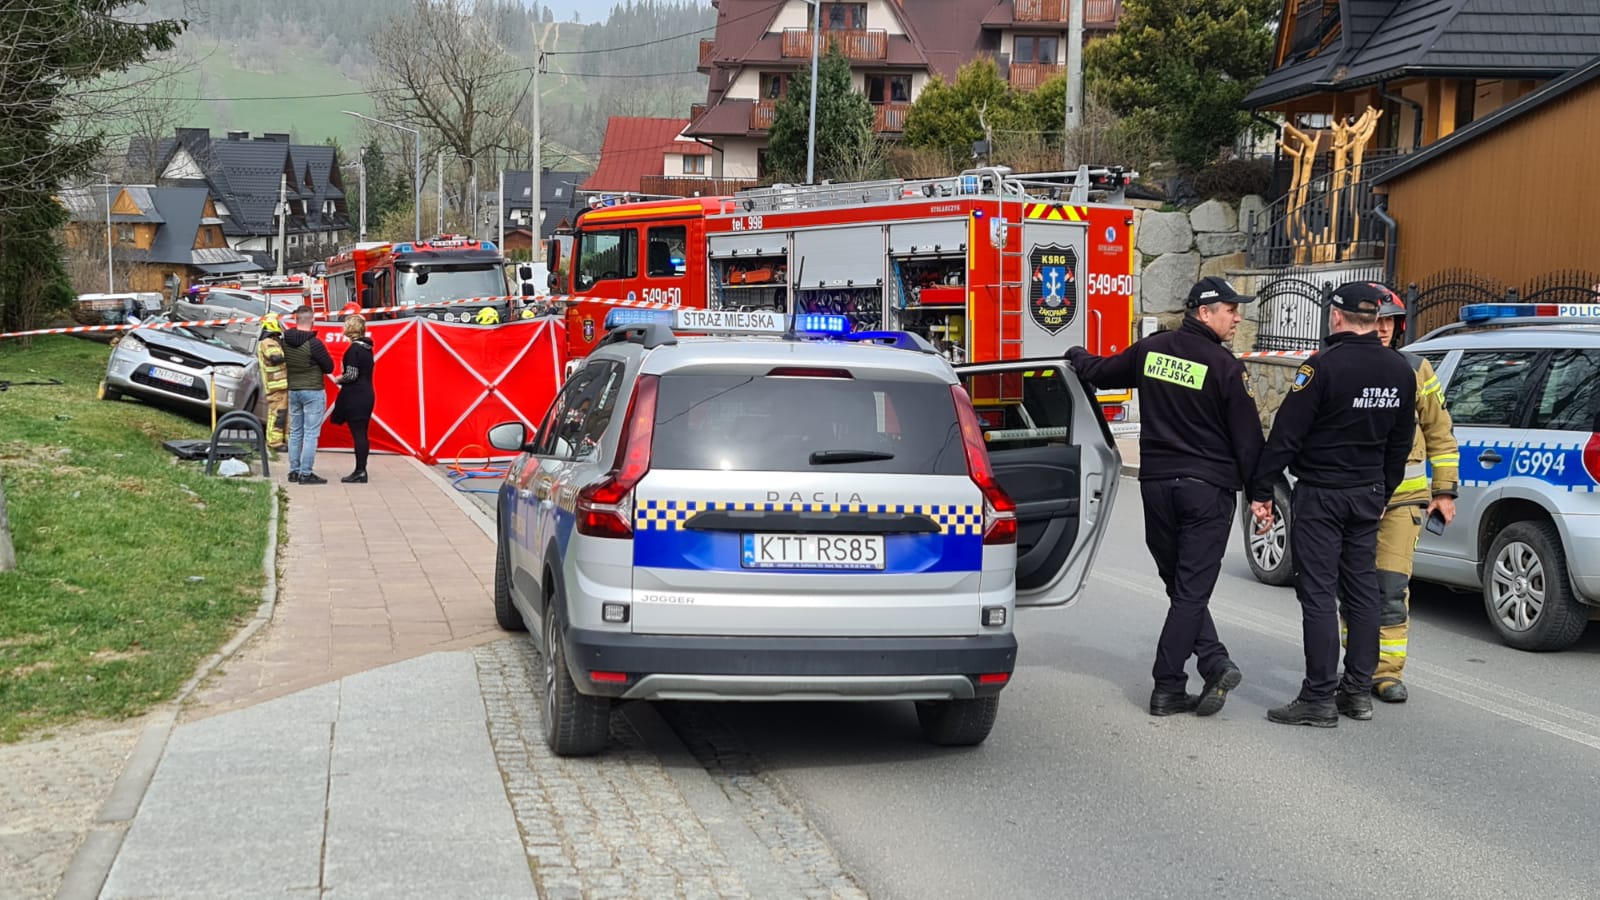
1053,287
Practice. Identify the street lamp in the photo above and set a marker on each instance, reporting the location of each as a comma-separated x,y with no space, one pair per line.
416,177
811,133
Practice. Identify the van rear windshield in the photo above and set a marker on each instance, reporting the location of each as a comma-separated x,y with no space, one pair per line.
752,423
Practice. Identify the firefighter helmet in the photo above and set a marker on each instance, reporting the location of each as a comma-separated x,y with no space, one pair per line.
270,322
487,316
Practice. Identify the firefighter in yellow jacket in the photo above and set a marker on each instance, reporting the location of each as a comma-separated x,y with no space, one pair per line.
1429,488
274,380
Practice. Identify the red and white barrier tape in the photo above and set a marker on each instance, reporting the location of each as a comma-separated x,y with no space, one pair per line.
1261,354
210,323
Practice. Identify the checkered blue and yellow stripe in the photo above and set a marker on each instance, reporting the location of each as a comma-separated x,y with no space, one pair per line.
670,515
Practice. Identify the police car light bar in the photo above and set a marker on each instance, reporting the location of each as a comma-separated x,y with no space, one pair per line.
724,321
1481,312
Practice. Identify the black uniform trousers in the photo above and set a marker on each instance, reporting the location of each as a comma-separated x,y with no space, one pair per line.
1186,526
1335,547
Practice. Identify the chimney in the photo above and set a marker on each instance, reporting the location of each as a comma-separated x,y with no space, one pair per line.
277,138
238,135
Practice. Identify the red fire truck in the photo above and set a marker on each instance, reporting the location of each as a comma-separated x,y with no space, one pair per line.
988,265
418,274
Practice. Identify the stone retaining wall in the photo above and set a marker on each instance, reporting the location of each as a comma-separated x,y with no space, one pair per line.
1270,379
1176,249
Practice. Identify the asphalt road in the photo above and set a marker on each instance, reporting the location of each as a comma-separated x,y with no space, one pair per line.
1486,784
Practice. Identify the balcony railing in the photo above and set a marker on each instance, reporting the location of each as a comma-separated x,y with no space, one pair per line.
1097,12
1027,76
706,46
761,115
1042,10
890,116
869,43
692,185
1100,12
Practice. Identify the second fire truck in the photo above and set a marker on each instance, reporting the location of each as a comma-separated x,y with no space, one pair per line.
988,265
416,275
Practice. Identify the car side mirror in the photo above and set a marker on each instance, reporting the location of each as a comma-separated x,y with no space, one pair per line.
366,298
525,273
509,436
369,278
527,289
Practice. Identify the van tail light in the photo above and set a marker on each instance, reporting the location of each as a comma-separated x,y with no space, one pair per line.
1591,457
999,510
605,508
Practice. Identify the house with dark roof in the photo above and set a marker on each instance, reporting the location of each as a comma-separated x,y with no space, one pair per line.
1508,198
560,204
162,239
894,47
641,155
1430,66
246,177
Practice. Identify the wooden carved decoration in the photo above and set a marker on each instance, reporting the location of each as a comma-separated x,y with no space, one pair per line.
1348,145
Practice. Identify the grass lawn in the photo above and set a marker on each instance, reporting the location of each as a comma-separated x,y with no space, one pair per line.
131,569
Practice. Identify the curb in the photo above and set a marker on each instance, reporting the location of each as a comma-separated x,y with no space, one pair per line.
87,872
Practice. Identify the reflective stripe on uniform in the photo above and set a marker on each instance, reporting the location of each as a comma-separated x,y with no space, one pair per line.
1431,386
1392,648
1445,459
1411,485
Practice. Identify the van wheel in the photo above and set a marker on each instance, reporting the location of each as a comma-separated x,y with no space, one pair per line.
506,613
1271,560
1526,591
107,392
958,723
574,724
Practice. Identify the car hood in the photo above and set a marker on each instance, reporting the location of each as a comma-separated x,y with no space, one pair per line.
212,353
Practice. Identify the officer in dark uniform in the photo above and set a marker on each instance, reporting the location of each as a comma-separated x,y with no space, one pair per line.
1344,431
1199,436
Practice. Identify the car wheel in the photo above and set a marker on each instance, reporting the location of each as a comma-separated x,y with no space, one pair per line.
505,612
107,392
252,407
958,723
1526,591
574,724
1269,555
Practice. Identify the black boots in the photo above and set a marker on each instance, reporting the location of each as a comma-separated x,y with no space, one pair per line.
1390,691
312,478
357,477
1305,712
1163,703
1356,706
1217,687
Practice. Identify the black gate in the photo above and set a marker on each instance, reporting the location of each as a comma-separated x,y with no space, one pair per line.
1437,301
1290,314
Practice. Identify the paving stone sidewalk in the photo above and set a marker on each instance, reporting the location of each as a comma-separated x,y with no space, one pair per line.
382,738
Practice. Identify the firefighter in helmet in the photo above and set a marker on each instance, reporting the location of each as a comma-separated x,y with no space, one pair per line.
487,316
1420,495
274,380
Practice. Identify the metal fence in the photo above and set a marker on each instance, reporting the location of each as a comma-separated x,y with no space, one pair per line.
1291,309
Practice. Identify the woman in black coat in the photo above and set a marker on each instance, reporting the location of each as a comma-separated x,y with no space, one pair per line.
354,404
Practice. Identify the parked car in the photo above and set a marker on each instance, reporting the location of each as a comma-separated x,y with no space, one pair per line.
186,365
776,517
1523,391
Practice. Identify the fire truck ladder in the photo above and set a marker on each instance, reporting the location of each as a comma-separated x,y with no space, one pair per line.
995,182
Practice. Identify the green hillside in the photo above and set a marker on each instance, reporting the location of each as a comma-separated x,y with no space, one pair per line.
222,71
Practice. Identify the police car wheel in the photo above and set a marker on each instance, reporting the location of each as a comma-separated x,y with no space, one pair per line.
958,723
574,724
107,392
506,613
1271,560
1526,591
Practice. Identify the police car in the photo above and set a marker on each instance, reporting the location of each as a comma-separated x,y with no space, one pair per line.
1522,384
773,508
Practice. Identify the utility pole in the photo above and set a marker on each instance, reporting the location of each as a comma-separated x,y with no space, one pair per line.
362,173
283,219
109,279
811,138
535,195
1074,110
500,213
441,194
472,227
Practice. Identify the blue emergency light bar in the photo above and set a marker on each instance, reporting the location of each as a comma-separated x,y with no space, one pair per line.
1482,312
710,321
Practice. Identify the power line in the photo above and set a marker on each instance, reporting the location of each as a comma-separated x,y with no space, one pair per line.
750,15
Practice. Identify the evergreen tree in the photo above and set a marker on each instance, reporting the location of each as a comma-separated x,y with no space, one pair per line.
949,116
1183,68
844,124
49,51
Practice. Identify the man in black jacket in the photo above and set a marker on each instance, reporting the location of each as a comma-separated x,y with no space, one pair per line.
1199,436
307,359
1344,431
